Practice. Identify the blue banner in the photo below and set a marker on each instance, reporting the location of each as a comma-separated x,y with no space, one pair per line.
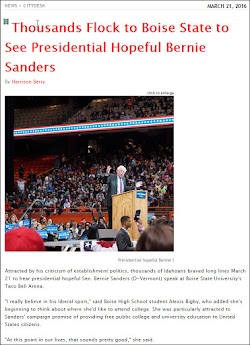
26,223
9,227
141,195
63,235
43,233
52,228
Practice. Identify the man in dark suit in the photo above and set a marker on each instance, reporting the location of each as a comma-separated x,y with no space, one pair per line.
92,232
123,240
116,185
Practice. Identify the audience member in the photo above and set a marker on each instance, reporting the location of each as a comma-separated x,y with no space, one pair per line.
13,219
21,185
21,171
23,239
122,108
158,237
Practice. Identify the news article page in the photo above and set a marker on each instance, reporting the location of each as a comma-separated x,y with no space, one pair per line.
125,172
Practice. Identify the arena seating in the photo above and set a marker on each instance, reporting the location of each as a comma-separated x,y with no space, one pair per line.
39,165
42,116
98,110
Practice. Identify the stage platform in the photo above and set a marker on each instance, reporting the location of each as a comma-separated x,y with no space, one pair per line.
82,245
70,246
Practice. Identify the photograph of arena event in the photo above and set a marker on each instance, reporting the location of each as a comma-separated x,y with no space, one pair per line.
89,173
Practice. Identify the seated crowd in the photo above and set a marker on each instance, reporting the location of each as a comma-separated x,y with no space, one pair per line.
123,108
77,185
105,109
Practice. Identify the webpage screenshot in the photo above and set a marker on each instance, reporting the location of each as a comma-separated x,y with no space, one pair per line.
124,172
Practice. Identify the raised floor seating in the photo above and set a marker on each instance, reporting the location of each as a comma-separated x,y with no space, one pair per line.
38,164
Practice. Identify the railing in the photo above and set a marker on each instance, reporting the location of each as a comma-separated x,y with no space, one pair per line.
159,211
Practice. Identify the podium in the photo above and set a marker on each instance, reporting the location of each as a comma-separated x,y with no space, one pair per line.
126,204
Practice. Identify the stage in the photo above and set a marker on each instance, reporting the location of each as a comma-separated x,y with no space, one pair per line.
84,245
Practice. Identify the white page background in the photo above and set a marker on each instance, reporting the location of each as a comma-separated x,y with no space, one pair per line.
211,136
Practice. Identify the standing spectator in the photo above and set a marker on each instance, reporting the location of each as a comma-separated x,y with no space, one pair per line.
50,184
57,163
21,171
162,190
49,222
32,177
75,231
13,219
102,224
67,226
92,230
63,159
39,181
43,222
98,207
39,226
58,209
21,185
83,232
46,183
